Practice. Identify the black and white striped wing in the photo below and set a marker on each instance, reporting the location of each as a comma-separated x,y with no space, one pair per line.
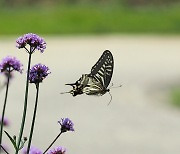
103,69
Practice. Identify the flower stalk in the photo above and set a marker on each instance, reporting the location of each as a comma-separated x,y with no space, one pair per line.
36,75
4,107
25,103
66,125
7,66
33,120
52,142
34,42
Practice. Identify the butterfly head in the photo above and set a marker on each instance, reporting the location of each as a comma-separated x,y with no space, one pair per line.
77,90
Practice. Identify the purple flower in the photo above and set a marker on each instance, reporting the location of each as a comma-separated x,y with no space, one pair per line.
5,121
66,125
9,64
33,150
38,72
33,40
57,150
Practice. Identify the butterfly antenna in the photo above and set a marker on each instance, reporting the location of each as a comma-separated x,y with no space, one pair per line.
65,92
110,93
115,86
110,99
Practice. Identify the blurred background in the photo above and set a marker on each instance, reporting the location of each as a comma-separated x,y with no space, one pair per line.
89,16
143,36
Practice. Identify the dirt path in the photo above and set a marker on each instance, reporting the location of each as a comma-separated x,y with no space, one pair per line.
138,120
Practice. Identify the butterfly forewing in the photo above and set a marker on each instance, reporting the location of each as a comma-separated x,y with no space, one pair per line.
103,69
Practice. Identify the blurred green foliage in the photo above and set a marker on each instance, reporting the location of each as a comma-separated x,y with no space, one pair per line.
89,17
175,95
70,2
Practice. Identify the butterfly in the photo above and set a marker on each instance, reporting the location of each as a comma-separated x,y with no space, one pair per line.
97,81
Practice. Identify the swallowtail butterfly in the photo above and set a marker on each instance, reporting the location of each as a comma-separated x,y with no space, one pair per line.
97,81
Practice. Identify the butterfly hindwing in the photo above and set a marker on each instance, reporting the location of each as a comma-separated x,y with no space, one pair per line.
103,69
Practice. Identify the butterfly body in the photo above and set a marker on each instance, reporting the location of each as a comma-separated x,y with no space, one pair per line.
97,81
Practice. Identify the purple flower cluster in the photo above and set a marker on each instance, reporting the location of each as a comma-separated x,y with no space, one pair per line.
57,150
9,64
33,150
38,72
33,40
66,125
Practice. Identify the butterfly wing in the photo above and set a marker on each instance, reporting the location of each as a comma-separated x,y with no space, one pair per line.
103,69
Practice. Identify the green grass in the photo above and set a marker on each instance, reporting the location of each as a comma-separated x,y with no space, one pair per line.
90,19
175,95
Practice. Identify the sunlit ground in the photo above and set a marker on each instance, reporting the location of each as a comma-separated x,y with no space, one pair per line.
138,120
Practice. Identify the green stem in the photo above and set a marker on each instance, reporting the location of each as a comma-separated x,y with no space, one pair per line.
25,105
4,108
52,143
33,120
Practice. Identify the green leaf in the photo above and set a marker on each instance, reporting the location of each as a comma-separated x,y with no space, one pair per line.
12,140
